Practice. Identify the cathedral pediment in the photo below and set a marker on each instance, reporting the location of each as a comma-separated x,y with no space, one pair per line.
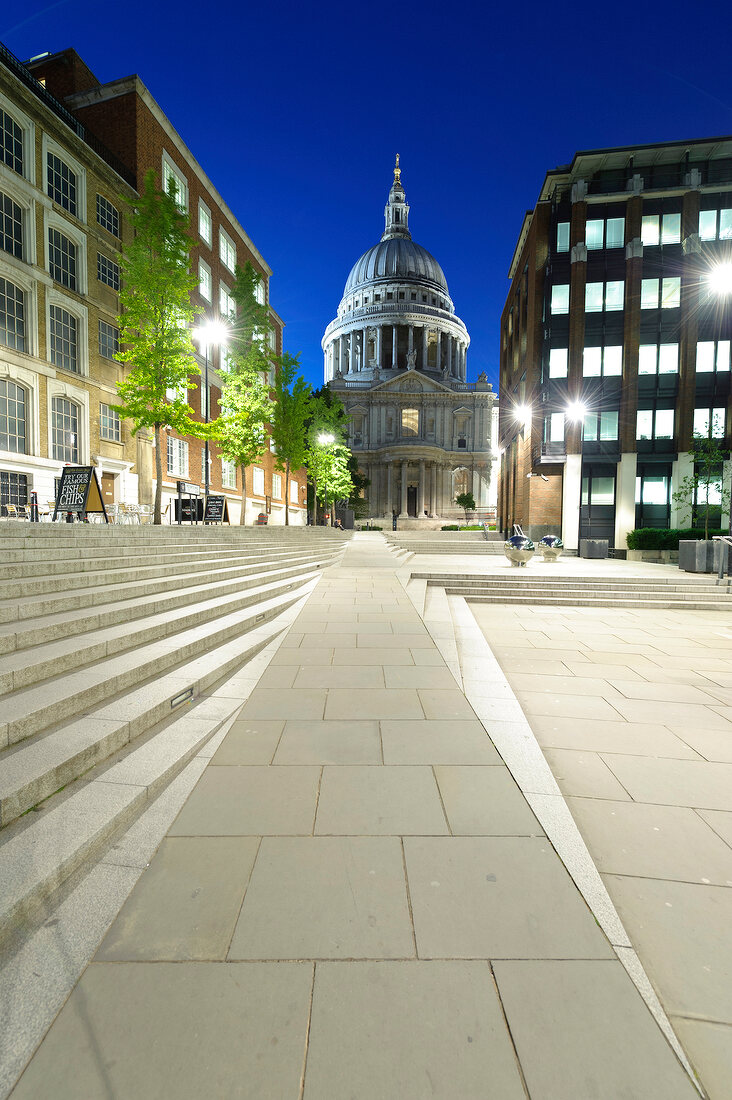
412,382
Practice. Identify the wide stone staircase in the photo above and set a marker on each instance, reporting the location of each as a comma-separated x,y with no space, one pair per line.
110,640
682,592
445,542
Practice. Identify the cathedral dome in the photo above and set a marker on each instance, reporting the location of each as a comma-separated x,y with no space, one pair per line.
396,258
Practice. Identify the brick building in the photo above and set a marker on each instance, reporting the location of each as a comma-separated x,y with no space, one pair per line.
615,340
132,125
61,233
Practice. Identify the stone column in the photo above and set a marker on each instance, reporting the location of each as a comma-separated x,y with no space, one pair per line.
420,489
403,511
439,350
341,353
393,345
433,489
389,488
425,346
476,486
450,345
382,424
364,348
379,343
410,338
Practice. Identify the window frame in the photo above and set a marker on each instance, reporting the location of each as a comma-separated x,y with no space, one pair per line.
116,421
258,481
51,147
80,313
24,319
8,381
205,214
114,272
28,130
177,448
109,358
78,238
100,223
716,347
204,269
228,473
170,168
74,455
227,250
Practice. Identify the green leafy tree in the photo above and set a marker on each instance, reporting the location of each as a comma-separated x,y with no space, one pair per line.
155,321
466,501
705,481
290,413
240,430
328,466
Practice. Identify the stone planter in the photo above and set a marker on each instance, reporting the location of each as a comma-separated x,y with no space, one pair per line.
655,557
696,556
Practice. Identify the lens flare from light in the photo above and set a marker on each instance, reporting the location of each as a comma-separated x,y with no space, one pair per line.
720,280
577,410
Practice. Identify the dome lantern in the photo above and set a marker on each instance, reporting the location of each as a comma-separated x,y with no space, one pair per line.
396,211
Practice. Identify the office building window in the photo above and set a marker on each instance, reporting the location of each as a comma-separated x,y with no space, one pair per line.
562,236
712,355
554,428
12,315
174,183
11,143
204,281
107,216
709,423
227,305
558,358
655,424
205,224
11,227
602,361
61,183
604,233
669,291
293,492
661,229
177,457
715,225
560,298
108,340
12,417
228,474
107,271
110,425
62,263
258,481
227,250
607,296
277,486
658,359
63,339
601,426
64,430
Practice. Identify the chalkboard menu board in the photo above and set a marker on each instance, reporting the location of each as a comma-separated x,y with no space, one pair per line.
217,510
78,492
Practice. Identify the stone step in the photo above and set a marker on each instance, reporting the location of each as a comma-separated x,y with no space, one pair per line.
32,709
36,768
65,624
667,603
24,667
130,558
70,599
83,549
571,584
105,574
39,852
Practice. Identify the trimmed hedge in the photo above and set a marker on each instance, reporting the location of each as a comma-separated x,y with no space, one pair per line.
661,538
463,527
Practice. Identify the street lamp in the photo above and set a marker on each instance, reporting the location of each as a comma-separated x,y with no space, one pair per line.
719,280
211,333
325,439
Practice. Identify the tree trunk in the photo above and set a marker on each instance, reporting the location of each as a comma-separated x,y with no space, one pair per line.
243,517
315,503
287,494
157,516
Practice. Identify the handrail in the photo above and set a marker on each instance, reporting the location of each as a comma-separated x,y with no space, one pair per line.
723,558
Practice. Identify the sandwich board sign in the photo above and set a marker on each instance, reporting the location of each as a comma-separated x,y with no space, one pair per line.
217,510
79,493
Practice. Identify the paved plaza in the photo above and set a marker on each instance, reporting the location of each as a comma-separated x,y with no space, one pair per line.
363,894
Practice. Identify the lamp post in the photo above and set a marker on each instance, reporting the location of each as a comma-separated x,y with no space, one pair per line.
325,439
577,411
211,333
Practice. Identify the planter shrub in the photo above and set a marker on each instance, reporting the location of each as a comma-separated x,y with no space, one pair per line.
660,538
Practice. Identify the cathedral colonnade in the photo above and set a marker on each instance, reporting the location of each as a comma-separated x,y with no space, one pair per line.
393,346
418,487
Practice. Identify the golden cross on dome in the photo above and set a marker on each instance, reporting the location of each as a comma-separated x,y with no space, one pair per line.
397,171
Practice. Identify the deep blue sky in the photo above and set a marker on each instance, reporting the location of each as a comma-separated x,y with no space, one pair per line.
296,110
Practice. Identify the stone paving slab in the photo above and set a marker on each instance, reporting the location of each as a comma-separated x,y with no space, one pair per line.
355,874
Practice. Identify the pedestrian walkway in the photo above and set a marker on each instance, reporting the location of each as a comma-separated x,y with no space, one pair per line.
357,900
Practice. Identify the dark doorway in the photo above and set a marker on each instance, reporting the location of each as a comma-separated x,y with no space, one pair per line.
597,514
412,500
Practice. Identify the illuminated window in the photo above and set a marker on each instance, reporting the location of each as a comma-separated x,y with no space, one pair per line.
258,481
709,423
604,295
558,362
715,225
227,250
227,305
410,421
601,426
177,457
661,229
228,474
658,359
560,298
601,233
607,361
11,227
554,428
11,143
669,290
204,280
711,355
658,424
175,182
205,224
